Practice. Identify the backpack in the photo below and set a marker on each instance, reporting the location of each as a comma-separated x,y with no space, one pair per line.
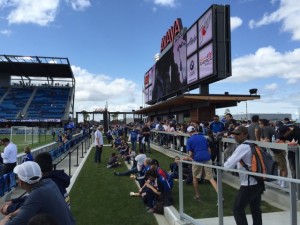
261,162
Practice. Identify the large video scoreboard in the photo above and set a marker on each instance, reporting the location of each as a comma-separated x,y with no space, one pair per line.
190,57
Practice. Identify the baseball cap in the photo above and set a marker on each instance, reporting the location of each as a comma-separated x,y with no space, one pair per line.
190,129
240,130
28,172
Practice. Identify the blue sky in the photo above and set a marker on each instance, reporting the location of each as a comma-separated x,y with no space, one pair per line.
112,43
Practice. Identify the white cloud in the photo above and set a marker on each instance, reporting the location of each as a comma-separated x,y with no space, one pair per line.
79,5
288,13
41,12
5,32
94,90
271,87
235,22
33,11
170,3
267,62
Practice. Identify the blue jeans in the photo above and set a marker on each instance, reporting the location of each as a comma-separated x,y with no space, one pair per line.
128,172
133,145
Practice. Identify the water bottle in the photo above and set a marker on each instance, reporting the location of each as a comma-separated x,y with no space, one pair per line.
273,138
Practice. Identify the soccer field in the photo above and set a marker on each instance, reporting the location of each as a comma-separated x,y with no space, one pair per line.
32,142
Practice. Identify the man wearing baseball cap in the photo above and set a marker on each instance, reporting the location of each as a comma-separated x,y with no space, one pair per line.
198,149
44,197
250,190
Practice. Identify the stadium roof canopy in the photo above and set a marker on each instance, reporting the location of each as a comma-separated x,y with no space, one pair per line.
36,66
220,101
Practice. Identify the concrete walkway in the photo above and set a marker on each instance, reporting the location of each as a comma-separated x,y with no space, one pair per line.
277,218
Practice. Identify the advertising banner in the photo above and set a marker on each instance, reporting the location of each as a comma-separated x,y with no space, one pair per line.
205,28
206,61
192,63
191,39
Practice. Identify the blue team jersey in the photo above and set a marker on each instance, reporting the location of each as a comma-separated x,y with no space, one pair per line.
199,146
134,134
217,127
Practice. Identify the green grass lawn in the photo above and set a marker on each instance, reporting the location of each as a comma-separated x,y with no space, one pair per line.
99,197
19,140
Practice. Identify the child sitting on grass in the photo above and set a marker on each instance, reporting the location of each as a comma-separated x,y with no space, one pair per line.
113,161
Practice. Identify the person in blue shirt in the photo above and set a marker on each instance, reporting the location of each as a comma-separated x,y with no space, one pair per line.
28,156
133,138
218,129
199,151
216,126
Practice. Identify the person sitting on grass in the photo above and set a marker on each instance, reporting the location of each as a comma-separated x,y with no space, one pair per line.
137,167
123,148
141,178
130,156
157,189
113,161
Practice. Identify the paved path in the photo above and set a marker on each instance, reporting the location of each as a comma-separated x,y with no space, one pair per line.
277,218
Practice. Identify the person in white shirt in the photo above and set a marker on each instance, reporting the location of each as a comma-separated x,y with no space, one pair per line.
98,144
137,165
250,190
9,156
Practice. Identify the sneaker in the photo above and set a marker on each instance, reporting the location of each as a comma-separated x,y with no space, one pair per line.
116,173
151,210
197,198
131,193
279,182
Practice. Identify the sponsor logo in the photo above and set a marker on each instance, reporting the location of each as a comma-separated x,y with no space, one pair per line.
204,26
206,60
192,40
192,65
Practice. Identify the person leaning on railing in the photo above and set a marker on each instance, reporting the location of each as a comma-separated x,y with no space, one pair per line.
9,156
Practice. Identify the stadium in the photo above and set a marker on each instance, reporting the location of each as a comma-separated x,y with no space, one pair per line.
37,96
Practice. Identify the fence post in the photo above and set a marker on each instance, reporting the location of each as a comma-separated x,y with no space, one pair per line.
180,190
220,197
70,162
85,146
81,150
77,157
293,203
